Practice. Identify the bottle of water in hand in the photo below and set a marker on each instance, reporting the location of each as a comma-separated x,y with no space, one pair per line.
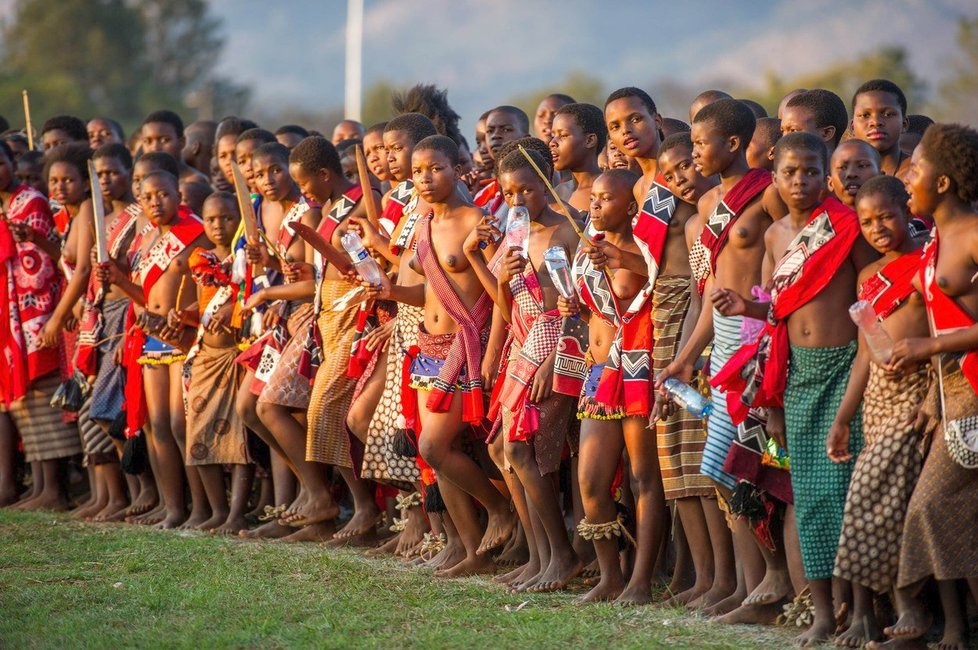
518,229
879,342
687,397
559,268
366,266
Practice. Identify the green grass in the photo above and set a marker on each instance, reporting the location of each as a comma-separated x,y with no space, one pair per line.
65,584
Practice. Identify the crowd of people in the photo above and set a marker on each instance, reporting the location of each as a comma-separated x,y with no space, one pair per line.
756,385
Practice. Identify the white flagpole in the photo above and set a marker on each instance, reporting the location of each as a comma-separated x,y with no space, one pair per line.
354,56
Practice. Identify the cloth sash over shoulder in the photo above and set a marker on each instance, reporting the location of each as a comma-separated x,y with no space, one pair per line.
755,375
466,348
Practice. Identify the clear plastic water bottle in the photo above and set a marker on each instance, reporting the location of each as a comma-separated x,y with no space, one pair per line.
879,342
366,266
687,397
518,229
559,267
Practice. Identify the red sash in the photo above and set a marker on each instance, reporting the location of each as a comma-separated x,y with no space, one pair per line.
181,234
466,348
889,287
399,198
29,291
311,356
650,227
945,313
755,376
716,232
489,198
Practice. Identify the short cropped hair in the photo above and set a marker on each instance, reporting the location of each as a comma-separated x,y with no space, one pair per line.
221,195
530,143
114,150
625,176
682,139
801,141
730,117
417,126
671,125
521,117
768,128
442,144
272,150
232,125
828,109
589,118
292,128
918,123
70,124
632,91
953,151
515,161
376,128
261,135
432,102
315,153
161,160
166,117
755,108
76,154
890,187
165,175
883,86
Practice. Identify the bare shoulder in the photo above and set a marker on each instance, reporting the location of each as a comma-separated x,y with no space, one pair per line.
469,215
772,203
709,201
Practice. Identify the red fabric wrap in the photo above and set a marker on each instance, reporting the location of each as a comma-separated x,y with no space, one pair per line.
755,376
30,289
466,349
889,287
716,232
135,399
945,313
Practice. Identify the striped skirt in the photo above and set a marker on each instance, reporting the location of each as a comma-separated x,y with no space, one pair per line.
720,429
45,434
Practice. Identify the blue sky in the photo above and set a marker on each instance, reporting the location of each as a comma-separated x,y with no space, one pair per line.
485,52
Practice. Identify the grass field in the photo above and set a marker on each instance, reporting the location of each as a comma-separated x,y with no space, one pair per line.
65,584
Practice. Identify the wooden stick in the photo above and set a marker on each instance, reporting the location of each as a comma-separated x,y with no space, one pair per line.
562,209
183,283
364,175
27,120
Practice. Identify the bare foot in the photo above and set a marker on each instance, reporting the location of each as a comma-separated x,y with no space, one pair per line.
498,531
53,502
413,533
146,501
954,642
452,554
591,570
271,530
197,518
725,606
361,523
558,574
150,517
819,632
170,522
8,498
913,623
110,511
215,520
775,586
751,615
603,592
387,548
861,631
634,596
88,509
515,554
715,594
231,526
897,644
313,512
321,532
511,576
470,566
